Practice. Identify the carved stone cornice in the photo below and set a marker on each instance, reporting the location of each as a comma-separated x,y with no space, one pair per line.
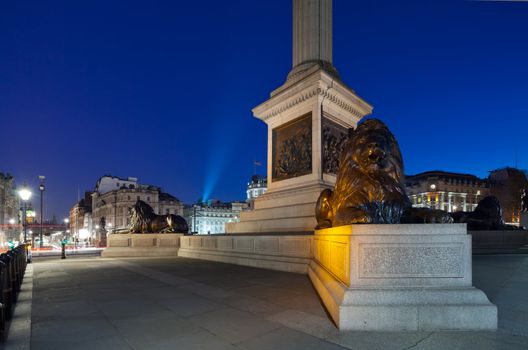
317,84
306,95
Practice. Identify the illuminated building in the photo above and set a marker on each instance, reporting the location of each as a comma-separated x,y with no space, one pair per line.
446,191
109,183
113,198
255,188
211,216
80,216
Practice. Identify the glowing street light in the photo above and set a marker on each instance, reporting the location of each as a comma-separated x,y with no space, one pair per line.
25,194
66,222
11,221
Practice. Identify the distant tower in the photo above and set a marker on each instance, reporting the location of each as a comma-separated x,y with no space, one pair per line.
256,188
307,118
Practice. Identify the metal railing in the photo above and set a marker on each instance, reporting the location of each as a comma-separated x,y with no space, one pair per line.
12,268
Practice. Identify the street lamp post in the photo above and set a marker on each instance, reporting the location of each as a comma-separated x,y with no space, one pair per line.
115,212
194,219
41,188
24,194
66,224
64,239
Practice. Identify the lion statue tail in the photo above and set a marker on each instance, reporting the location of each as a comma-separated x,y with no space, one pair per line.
323,210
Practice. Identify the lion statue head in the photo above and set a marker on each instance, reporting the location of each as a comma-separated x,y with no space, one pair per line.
373,150
140,217
370,186
370,181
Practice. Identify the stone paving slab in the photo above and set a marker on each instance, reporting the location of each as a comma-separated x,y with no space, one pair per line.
177,303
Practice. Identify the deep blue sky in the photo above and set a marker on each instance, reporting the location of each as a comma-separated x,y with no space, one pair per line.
163,90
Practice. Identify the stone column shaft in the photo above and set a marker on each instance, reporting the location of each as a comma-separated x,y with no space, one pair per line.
312,31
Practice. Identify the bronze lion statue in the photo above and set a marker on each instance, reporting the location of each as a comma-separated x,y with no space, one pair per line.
144,220
486,216
370,185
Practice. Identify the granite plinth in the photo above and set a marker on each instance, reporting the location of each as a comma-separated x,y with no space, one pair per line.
399,277
142,245
290,253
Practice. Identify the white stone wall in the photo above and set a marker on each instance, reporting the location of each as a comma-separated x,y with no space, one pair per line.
289,253
142,245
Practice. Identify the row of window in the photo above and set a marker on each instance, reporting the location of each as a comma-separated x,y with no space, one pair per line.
125,211
129,198
210,223
215,215
459,199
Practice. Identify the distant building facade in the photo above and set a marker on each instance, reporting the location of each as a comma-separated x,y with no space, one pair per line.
110,183
256,187
446,191
9,208
113,198
80,219
210,217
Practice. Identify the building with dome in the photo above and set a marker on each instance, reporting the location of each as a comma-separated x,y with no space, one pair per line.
256,187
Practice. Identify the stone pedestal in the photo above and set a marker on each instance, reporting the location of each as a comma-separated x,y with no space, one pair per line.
308,120
142,245
399,277
307,117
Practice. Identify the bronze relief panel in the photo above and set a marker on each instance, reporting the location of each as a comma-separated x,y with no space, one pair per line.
292,149
333,140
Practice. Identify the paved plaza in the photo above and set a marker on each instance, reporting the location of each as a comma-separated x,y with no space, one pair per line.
177,303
